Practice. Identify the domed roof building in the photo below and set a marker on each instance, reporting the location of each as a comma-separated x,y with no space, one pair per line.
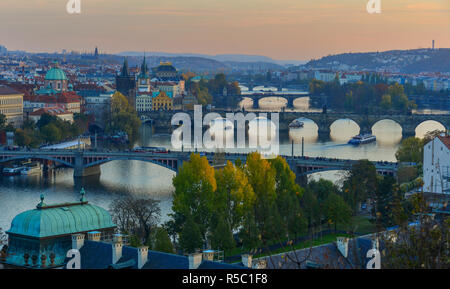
166,72
56,73
55,81
41,237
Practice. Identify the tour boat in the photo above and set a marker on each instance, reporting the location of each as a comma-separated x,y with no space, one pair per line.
33,168
14,171
362,139
296,124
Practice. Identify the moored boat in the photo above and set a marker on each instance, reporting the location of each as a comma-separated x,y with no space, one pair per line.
296,124
30,169
12,171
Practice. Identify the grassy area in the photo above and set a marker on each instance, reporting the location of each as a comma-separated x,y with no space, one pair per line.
361,224
307,244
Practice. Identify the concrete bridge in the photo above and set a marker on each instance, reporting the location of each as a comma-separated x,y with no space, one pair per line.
161,121
86,163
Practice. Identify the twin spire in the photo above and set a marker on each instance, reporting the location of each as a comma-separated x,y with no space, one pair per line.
126,69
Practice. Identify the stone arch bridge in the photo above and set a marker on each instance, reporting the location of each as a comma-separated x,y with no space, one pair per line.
161,121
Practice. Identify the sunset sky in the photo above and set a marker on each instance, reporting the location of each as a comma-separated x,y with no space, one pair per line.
281,29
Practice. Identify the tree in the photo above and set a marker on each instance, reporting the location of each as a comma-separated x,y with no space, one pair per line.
288,195
381,211
195,185
421,246
22,138
234,195
386,102
3,122
221,234
190,237
337,210
135,216
123,117
360,183
162,241
410,150
429,136
51,133
261,177
135,241
311,208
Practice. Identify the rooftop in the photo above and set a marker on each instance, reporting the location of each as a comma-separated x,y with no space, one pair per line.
60,219
445,140
6,90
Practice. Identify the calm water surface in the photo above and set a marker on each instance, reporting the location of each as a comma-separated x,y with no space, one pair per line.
143,179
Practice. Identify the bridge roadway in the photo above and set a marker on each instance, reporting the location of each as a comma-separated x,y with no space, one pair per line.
161,120
88,162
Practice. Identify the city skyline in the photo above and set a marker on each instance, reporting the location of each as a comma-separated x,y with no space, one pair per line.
305,30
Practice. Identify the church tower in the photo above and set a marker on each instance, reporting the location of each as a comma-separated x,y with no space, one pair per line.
126,83
144,78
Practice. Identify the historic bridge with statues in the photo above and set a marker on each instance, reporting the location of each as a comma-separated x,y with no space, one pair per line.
288,96
88,162
161,120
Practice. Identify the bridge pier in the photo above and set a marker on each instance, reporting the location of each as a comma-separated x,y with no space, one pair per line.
86,172
79,169
408,130
255,103
324,131
290,102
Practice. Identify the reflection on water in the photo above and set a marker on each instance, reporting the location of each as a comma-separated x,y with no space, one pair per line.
132,177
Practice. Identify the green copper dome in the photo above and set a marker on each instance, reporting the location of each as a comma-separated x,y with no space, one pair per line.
63,219
55,74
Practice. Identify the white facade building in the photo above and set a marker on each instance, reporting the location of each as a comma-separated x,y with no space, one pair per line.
436,165
144,102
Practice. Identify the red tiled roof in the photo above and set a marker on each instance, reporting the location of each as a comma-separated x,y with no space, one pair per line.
51,110
64,97
6,90
445,140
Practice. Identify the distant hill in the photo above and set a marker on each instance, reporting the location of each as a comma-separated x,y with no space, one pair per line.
219,57
403,61
183,63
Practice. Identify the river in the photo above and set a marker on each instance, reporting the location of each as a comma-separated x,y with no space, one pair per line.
118,178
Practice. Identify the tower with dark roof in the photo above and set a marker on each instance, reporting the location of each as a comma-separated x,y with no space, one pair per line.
144,78
126,83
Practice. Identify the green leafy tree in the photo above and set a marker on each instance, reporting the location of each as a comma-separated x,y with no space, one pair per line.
190,237
381,211
123,117
311,208
162,241
51,133
221,234
135,241
386,102
360,183
234,195
288,196
261,177
424,246
22,138
195,185
3,122
410,150
337,210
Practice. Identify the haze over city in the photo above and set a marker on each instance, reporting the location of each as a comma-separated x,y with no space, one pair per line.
307,29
